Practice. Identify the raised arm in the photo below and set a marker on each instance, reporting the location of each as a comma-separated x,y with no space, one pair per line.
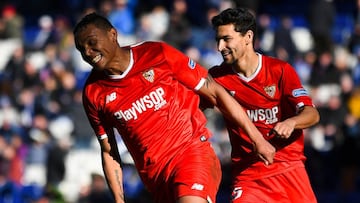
111,164
231,109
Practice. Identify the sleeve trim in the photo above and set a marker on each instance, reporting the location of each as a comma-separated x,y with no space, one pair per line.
101,137
200,84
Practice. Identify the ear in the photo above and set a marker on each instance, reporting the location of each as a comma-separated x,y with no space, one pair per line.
249,37
113,34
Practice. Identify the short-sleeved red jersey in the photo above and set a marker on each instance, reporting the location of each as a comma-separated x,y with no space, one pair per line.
272,94
152,104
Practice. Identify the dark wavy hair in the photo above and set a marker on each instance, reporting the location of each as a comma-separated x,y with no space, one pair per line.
241,18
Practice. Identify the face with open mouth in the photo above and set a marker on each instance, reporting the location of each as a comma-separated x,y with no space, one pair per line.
96,59
97,47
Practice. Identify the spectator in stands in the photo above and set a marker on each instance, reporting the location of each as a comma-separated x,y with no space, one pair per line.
303,65
265,39
9,190
252,5
324,70
46,33
354,41
106,7
14,71
123,19
60,129
153,24
14,23
63,35
350,165
179,31
17,159
354,48
284,47
97,191
321,24
203,36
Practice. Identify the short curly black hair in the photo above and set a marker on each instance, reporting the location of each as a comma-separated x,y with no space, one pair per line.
93,19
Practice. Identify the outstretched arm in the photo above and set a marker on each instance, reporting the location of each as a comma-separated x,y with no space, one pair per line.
111,164
231,109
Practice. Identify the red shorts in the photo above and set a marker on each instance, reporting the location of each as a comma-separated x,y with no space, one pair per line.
196,172
292,186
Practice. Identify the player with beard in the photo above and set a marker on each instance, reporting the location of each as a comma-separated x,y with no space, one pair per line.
280,107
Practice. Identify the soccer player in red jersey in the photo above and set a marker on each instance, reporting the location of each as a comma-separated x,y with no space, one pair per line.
149,93
271,93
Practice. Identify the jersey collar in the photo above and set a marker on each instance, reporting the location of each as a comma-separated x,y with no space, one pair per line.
258,68
131,63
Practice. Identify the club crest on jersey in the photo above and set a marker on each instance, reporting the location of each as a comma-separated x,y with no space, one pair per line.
270,90
149,75
191,64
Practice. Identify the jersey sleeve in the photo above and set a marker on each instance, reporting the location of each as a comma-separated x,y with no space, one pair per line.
186,70
294,90
93,116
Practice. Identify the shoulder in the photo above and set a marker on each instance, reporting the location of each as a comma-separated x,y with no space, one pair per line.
150,46
274,64
152,50
92,85
273,61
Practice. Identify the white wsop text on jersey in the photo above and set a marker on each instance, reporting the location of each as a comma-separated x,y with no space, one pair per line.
267,115
154,100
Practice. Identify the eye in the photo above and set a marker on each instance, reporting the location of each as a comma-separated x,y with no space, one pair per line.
227,39
92,42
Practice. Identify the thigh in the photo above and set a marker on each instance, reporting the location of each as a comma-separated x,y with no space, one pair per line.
197,173
192,199
256,191
191,177
299,189
292,186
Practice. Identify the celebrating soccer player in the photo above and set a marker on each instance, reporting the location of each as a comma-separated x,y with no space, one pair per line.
274,99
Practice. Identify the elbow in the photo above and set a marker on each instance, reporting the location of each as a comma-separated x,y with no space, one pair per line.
316,117
312,116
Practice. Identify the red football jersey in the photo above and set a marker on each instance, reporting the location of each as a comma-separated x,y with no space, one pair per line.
152,104
272,94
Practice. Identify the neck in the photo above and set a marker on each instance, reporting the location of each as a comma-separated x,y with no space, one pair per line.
248,65
120,63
